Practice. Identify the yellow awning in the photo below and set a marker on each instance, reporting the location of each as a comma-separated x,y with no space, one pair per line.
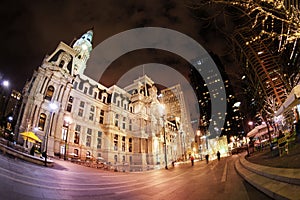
30,137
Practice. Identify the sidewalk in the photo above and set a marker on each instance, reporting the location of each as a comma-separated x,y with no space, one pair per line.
272,159
278,177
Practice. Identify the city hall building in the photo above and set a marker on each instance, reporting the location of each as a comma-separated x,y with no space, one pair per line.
77,117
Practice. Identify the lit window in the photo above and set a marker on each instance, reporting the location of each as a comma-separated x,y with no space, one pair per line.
42,121
49,93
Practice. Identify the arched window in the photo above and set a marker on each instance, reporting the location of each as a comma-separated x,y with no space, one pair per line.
49,93
42,121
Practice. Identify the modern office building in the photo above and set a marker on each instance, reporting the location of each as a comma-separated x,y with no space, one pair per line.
75,116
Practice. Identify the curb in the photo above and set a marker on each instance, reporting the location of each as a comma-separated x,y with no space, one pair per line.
265,182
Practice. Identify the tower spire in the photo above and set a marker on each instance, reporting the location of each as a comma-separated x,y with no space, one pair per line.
83,47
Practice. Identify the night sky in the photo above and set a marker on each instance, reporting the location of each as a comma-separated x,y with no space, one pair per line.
32,29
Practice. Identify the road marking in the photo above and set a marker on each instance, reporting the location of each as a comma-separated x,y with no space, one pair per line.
224,173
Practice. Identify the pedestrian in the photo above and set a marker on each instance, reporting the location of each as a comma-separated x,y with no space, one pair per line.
32,150
192,160
218,155
206,158
173,163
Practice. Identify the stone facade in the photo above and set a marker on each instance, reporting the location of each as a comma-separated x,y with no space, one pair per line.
125,127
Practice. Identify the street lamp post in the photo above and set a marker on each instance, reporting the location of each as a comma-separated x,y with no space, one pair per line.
165,143
4,98
52,107
68,121
182,145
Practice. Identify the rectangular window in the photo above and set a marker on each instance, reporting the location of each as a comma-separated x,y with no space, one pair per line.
99,140
89,131
102,112
101,120
77,134
91,116
81,104
80,112
78,128
71,99
130,125
116,120
123,143
130,145
92,110
124,123
76,138
69,107
85,90
88,141
146,146
115,142
99,134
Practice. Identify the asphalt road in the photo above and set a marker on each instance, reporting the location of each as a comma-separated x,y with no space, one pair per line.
216,180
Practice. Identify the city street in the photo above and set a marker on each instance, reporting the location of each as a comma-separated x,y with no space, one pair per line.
216,180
